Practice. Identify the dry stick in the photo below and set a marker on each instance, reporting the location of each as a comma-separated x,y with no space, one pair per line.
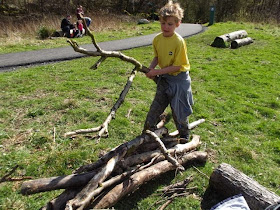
103,53
146,156
201,172
59,202
54,183
97,64
191,126
83,198
103,129
165,204
164,151
6,177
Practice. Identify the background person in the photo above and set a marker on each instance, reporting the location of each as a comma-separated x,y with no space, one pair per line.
80,12
67,27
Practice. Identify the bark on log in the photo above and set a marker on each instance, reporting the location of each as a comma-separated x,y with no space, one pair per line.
241,42
229,181
222,41
137,179
54,183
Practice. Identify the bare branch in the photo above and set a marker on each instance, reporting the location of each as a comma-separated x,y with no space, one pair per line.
103,129
164,151
97,64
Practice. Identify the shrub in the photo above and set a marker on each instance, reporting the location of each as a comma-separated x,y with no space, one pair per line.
44,32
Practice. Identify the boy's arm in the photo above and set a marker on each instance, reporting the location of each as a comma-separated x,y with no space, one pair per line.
154,72
154,63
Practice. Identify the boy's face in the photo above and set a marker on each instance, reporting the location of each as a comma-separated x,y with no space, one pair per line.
168,26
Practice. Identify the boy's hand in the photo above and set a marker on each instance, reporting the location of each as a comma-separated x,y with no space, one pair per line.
151,74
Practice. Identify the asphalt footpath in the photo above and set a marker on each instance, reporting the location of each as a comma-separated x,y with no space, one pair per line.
12,61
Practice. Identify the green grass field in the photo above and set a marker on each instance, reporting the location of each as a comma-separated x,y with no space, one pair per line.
235,91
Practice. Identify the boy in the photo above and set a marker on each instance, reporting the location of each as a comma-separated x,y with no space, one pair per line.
174,82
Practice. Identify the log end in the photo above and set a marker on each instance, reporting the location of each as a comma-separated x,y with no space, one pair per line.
219,42
26,188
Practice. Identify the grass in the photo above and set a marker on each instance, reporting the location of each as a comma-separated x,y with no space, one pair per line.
236,91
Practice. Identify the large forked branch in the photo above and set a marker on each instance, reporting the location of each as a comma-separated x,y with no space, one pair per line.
103,129
105,54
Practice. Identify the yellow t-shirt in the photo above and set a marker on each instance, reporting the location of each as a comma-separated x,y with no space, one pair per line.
171,51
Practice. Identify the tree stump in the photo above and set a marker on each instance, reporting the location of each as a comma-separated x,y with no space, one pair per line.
228,181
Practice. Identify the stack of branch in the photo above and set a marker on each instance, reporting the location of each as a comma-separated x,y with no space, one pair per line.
119,172
234,40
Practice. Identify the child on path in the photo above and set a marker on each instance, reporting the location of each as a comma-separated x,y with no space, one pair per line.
174,82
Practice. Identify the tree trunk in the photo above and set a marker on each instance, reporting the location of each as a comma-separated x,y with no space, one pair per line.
228,181
241,42
222,41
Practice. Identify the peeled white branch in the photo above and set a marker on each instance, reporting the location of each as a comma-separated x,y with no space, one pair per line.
191,126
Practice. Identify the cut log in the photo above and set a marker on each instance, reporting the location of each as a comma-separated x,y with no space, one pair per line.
223,40
136,180
54,183
229,182
241,42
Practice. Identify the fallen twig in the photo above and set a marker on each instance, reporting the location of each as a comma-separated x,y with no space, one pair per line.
6,177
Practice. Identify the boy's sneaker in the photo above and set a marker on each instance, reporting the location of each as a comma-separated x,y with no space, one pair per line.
184,138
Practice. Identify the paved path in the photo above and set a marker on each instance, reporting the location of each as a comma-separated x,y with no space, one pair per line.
12,61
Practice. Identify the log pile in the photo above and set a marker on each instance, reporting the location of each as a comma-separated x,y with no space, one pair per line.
233,40
119,172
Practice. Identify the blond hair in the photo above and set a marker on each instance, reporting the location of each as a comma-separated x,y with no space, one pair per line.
172,10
